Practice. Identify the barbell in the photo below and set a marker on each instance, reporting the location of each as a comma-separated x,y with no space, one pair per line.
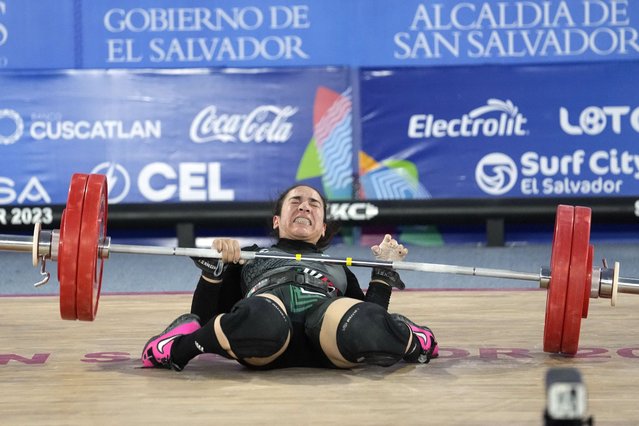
81,246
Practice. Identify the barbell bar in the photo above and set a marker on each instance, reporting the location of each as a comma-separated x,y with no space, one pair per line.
81,246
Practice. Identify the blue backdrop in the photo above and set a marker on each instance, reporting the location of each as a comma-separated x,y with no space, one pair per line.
501,131
236,99
249,33
175,136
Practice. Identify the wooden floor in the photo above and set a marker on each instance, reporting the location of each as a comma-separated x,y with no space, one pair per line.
491,369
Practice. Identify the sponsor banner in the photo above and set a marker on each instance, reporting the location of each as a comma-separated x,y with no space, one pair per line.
358,33
36,34
447,32
176,136
225,33
500,131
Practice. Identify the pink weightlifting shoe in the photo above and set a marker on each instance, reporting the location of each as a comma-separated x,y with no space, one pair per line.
157,351
425,338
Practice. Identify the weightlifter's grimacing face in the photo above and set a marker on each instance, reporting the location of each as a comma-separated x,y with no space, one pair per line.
302,215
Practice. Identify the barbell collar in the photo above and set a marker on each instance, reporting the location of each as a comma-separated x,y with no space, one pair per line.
45,245
104,248
544,277
54,244
595,283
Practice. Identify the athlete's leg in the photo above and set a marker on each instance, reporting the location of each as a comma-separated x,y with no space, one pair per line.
256,332
352,332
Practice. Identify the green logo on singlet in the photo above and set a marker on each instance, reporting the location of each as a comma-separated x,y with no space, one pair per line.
302,299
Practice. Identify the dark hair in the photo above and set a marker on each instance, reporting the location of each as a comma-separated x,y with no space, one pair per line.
331,227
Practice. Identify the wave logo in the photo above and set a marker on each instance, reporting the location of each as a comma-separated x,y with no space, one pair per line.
118,180
329,154
496,173
480,121
11,126
4,33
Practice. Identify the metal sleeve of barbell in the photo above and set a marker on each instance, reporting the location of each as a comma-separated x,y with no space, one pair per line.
628,285
16,243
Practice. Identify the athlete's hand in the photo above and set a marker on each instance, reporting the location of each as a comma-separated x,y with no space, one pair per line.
229,248
212,269
389,249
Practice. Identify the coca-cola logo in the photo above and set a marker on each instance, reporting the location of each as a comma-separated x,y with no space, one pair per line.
266,123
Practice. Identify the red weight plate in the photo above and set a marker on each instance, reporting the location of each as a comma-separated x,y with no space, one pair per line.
576,281
94,218
559,269
69,246
591,254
